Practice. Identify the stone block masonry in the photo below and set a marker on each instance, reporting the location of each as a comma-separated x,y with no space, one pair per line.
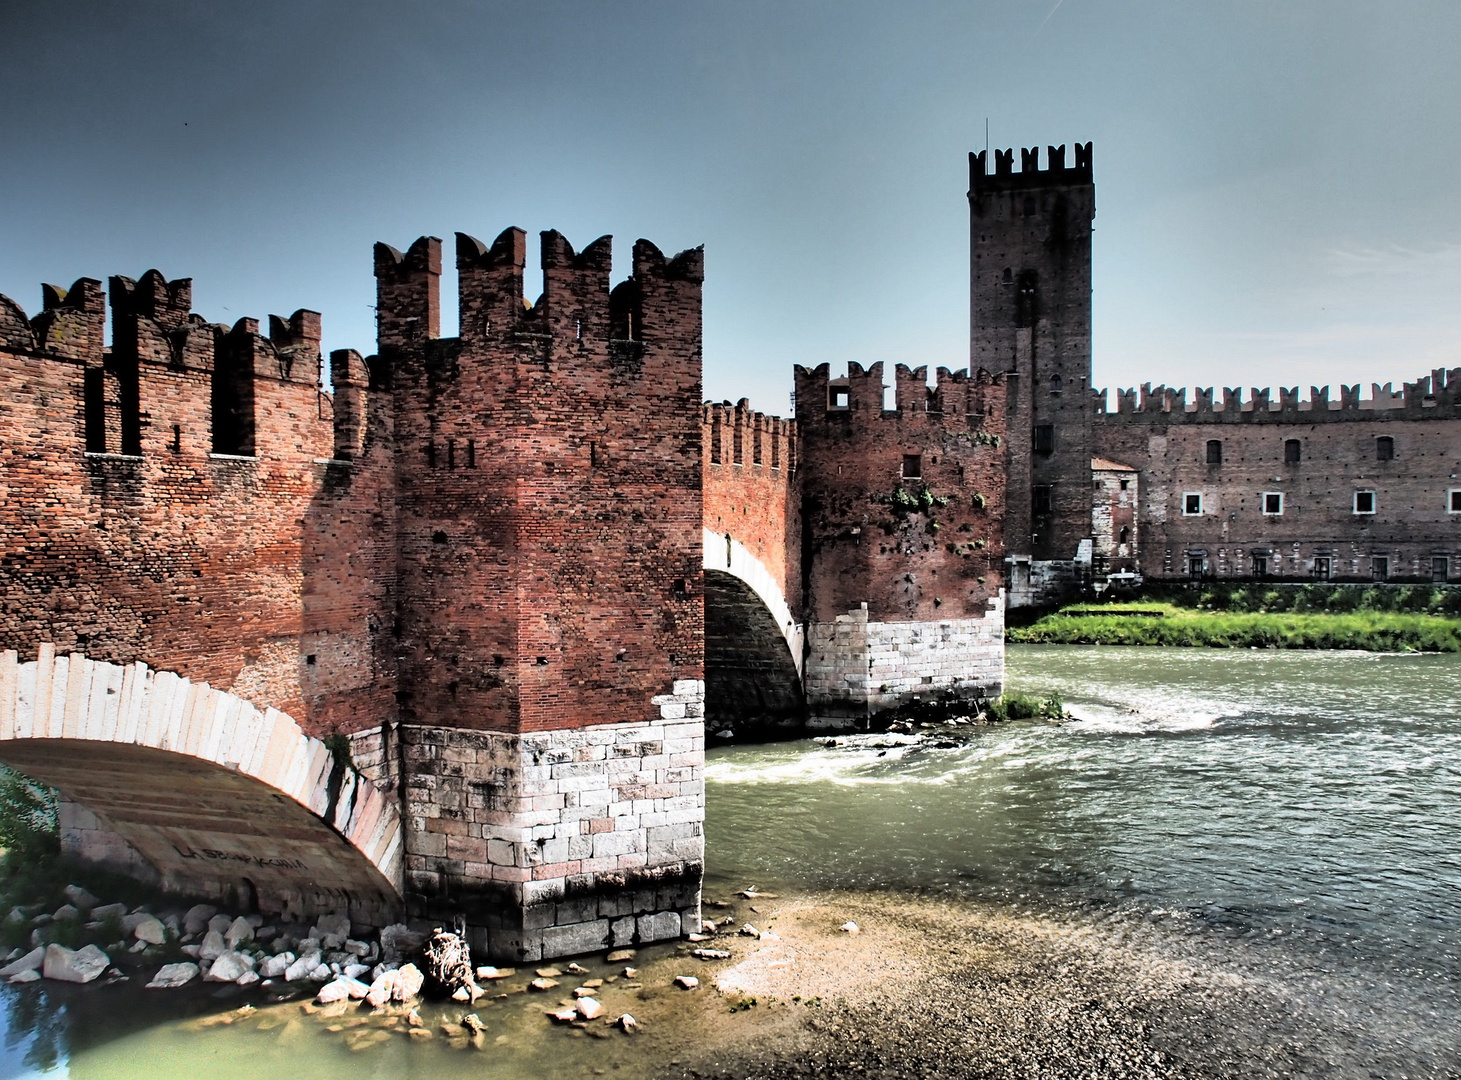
561,842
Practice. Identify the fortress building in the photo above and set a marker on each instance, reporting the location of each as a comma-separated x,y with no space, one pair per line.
444,638
1333,487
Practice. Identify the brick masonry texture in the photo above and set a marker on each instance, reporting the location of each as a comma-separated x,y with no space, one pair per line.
1405,447
874,556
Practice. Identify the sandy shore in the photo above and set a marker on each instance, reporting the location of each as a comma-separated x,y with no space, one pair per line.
927,988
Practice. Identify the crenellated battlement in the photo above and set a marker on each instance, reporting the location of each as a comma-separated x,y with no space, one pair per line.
576,301
1437,395
956,400
1031,175
736,435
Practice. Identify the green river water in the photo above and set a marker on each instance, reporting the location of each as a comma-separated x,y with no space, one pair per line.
1276,809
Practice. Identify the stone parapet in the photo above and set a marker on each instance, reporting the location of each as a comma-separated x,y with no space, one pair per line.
560,842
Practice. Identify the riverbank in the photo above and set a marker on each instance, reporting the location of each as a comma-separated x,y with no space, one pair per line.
930,988
1147,623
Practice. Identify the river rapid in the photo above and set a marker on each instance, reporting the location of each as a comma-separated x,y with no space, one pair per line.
1288,818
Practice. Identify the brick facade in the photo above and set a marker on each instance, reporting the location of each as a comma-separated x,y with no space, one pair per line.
1238,488
904,533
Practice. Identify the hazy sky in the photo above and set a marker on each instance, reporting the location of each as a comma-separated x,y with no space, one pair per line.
1278,181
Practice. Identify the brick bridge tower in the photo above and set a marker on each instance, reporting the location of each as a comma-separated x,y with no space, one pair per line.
902,550
1030,318
551,613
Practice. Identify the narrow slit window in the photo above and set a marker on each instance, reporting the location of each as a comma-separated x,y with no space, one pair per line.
1044,438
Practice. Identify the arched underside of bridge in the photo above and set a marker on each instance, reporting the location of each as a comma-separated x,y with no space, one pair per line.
200,791
752,686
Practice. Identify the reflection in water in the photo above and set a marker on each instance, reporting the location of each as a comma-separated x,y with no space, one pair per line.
1297,807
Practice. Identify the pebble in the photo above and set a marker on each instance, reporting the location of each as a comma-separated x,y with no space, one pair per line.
686,982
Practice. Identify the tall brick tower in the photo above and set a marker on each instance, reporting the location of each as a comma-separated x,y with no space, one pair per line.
1030,317
551,621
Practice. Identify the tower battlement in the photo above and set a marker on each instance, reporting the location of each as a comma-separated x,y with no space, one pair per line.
956,399
576,301
1031,175
736,435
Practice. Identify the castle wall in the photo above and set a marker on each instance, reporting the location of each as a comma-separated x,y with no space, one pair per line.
1317,531
903,544
1115,534
195,562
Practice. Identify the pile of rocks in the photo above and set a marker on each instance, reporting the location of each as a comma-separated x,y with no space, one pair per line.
205,943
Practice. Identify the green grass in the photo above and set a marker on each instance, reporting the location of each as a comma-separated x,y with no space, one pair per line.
1148,623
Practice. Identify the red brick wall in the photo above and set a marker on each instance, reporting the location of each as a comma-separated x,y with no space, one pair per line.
225,570
549,484
916,566
750,465
1155,433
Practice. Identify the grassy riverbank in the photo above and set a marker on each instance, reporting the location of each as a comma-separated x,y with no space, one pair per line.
1414,618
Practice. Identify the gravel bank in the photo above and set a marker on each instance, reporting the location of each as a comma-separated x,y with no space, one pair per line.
930,989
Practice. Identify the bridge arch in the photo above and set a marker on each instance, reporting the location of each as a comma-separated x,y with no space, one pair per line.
221,799
753,644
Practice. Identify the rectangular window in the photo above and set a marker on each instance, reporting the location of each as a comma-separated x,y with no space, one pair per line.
839,398
1291,451
1440,568
1260,566
1191,503
1364,502
1196,564
1044,438
1384,448
1453,500
1323,567
1214,452
912,466
1273,502
1380,567
1040,499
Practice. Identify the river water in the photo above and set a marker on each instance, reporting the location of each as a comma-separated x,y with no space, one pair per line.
1291,810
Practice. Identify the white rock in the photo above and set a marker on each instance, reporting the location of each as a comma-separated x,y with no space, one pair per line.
255,921
31,961
248,978
849,927
321,973
627,1024
196,920
192,950
355,971
137,946
275,966
301,968
334,991
409,981
564,1016
239,930
357,948
221,923
80,897
108,911
332,930
24,977
229,966
74,965
150,931
171,976
381,989
750,931
590,1008
213,946
461,993
686,982
134,920
66,913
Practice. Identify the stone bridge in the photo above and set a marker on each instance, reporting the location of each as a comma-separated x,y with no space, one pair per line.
199,791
